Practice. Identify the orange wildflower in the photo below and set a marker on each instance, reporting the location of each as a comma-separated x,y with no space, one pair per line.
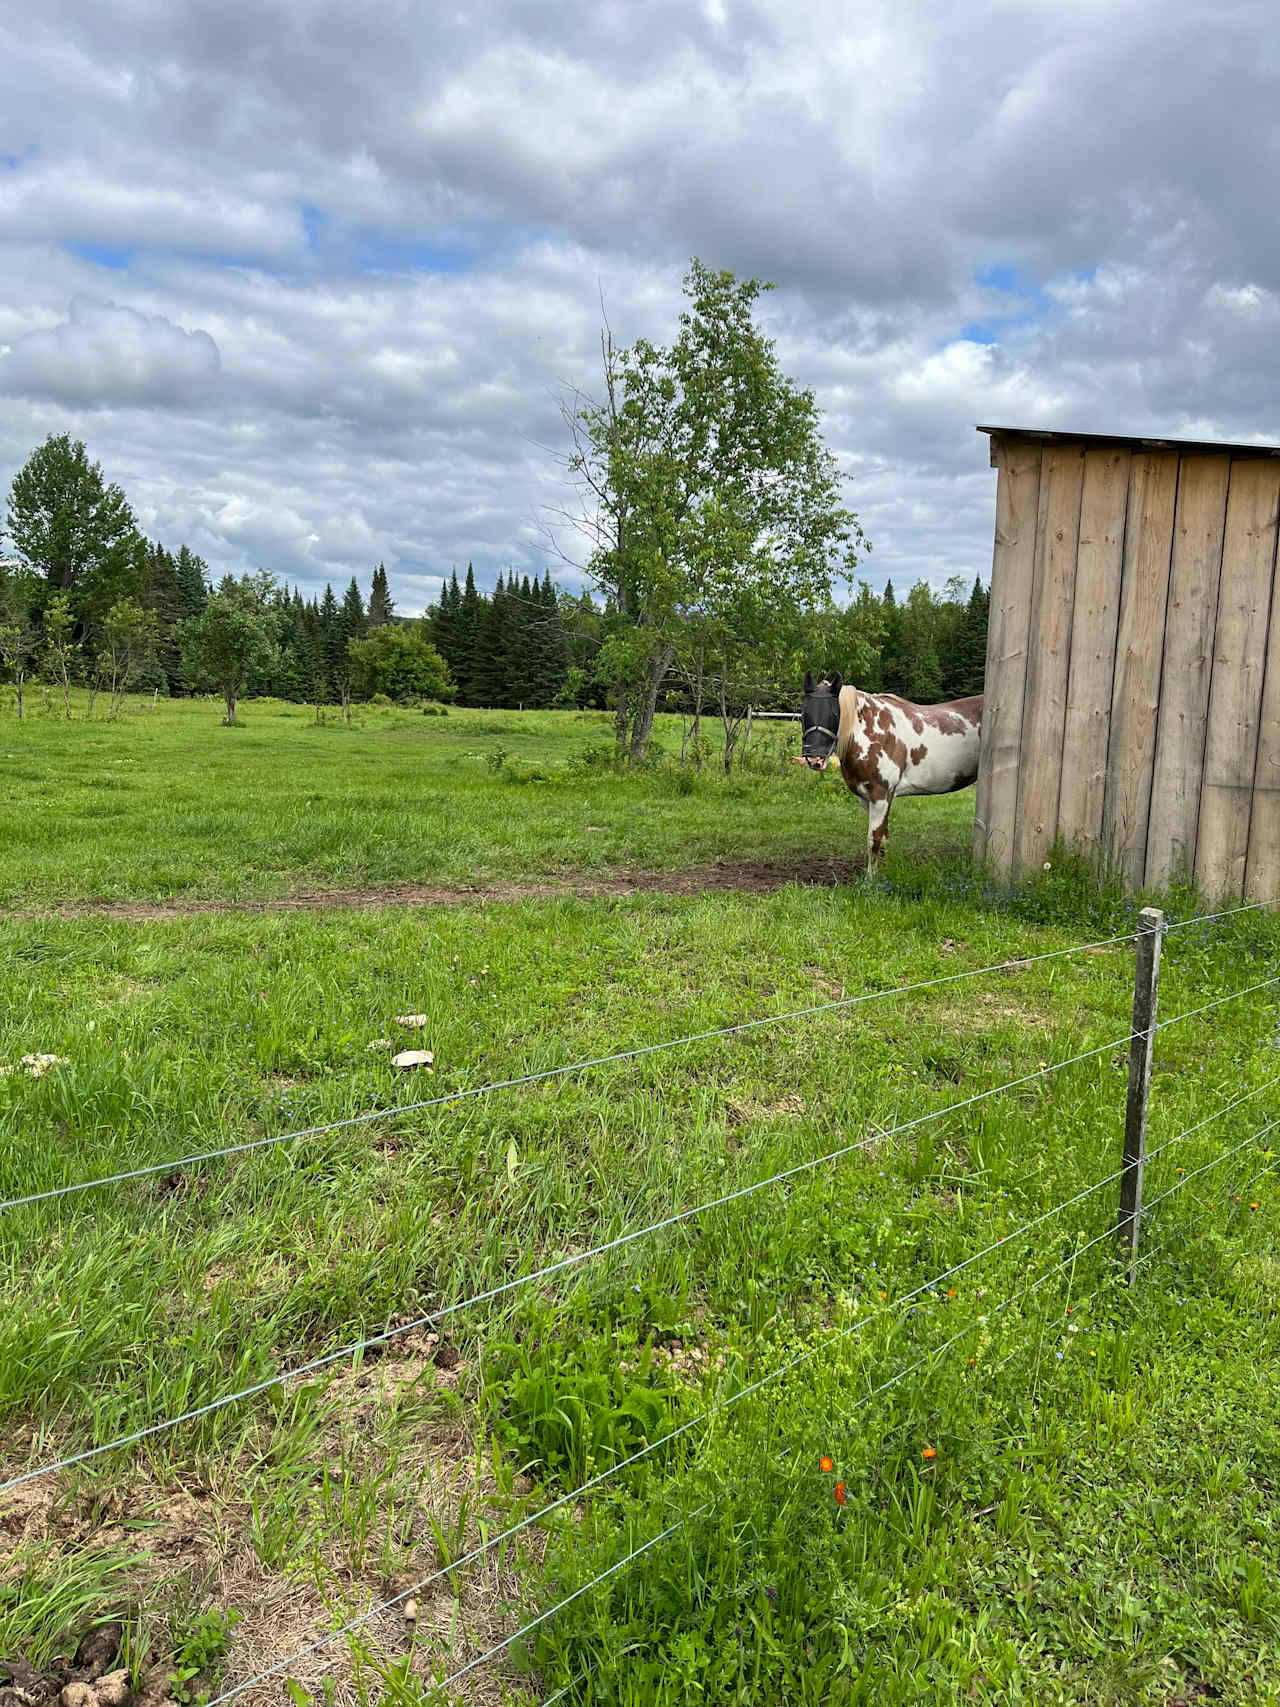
838,1490
825,1465
1253,1206
951,1292
931,1452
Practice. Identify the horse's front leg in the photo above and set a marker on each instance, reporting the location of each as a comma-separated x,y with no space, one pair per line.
877,829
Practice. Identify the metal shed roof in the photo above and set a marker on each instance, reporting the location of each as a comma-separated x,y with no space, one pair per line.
1184,447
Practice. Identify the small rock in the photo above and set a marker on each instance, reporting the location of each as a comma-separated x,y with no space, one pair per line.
113,1690
77,1695
414,1022
413,1058
98,1649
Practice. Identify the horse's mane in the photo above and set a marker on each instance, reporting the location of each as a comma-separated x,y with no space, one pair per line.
848,719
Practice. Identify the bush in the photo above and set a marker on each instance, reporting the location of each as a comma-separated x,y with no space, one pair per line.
396,660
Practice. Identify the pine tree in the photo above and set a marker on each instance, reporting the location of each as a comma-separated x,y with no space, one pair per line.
193,582
463,663
381,605
161,595
554,663
331,644
971,642
491,681
893,672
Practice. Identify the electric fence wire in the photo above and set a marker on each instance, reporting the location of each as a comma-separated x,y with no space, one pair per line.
275,1139
928,1358
537,1077
434,1317
806,1355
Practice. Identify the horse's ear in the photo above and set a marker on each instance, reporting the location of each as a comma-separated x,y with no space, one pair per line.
808,683
837,682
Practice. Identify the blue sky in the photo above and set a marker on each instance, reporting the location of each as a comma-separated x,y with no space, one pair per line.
314,285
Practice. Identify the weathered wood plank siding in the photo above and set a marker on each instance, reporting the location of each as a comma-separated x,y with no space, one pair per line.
1188,656
1235,694
1262,869
1048,654
1103,506
1135,691
1133,661
1012,578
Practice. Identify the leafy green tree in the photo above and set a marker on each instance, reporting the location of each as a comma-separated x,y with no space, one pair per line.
920,663
399,661
233,639
75,530
128,635
19,632
702,467
59,651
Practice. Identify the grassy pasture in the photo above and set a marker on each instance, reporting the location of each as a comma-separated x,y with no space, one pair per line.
178,807
1096,1519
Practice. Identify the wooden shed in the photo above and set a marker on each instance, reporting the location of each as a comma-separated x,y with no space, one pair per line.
1133,660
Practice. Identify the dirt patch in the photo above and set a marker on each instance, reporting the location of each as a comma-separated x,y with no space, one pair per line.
725,876
196,1546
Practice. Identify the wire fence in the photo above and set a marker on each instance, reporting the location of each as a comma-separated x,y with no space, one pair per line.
679,1217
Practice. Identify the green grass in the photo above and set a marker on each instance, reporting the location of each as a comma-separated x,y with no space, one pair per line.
1098,1520
178,806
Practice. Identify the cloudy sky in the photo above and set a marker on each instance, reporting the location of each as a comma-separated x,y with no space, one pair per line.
309,279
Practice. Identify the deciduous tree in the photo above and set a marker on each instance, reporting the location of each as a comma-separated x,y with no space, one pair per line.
703,473
399,661
233,639
76,530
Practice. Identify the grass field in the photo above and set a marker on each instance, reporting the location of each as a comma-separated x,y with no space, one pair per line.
1072,1501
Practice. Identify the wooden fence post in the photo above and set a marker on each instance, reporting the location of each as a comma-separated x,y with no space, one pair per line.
1145,985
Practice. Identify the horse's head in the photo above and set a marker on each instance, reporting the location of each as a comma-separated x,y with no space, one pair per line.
819,721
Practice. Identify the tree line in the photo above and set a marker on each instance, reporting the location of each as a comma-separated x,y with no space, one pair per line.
717,541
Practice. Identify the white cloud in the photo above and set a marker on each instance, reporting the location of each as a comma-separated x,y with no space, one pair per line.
354,256
105,357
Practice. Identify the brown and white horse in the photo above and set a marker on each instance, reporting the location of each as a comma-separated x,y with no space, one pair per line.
886,746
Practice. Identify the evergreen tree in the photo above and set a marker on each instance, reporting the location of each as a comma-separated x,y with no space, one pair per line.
971,643
332,644
553,650
161,597
193,582
463,663
381,605
442,619
491,678
892,664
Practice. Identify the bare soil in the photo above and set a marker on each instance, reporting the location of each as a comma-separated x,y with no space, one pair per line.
745,877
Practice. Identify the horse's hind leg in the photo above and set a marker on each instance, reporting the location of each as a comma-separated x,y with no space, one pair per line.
877,830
